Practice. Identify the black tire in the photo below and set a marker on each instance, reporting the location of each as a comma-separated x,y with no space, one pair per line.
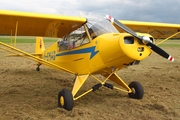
137,89
37,69
65,99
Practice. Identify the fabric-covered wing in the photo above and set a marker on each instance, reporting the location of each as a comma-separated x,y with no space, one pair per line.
157,30
35,24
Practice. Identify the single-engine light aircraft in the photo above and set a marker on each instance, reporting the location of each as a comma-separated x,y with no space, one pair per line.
86,48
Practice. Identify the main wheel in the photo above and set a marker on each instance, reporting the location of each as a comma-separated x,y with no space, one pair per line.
137,90
65,99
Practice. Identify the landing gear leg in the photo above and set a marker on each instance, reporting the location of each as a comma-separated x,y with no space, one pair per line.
38,67
66,98
135,89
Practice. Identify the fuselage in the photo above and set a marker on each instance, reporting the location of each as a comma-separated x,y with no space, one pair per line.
103,53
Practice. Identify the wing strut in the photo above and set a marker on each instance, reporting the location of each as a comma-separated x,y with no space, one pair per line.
16,33
30,56
168,38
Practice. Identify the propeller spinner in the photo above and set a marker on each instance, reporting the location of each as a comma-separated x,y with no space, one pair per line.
144,39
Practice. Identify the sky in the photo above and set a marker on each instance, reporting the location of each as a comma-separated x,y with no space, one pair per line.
166,11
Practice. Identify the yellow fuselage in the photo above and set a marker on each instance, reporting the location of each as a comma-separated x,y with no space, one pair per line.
105,53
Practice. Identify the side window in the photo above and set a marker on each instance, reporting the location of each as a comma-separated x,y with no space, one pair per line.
75,39
63,44
79,37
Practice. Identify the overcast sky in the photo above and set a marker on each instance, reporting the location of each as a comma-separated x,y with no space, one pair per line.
139,10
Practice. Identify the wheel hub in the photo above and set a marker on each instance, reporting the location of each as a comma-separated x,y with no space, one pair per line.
62,100
133,90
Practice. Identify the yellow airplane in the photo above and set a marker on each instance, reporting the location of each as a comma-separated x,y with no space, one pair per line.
86,48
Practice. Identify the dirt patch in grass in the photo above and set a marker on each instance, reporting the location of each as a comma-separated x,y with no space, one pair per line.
28,94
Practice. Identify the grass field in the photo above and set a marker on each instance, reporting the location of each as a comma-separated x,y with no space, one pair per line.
7,39
170,43
26,94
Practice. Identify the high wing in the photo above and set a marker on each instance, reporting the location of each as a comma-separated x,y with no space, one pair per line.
157,30
35,24
14,23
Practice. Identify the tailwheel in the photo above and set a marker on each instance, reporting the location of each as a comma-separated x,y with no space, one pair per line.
137,90
38,67
65,99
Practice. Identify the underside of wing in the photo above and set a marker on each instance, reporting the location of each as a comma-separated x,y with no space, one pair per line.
157,30
35,24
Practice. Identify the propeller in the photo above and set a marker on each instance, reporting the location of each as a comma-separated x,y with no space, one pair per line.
144,39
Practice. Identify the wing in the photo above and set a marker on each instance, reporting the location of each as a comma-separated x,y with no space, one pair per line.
35,24
157,30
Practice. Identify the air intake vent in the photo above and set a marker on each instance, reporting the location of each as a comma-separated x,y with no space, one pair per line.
129,40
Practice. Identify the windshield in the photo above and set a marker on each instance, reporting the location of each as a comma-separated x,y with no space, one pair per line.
85,34
101,27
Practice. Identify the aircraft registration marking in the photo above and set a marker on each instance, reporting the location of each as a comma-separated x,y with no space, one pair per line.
49,56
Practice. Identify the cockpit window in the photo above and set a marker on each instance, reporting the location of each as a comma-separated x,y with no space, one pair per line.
80,36
101,27
75,39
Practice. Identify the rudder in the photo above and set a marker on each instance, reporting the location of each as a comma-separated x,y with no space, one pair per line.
39,45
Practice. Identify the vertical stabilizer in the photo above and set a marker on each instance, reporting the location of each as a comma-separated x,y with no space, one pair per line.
39,45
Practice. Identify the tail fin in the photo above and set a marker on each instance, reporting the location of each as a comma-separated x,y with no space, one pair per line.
39,45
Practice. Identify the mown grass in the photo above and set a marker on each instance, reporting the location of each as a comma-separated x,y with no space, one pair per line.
170,43
8,39
28,94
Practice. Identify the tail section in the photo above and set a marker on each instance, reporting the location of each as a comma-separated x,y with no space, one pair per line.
39,45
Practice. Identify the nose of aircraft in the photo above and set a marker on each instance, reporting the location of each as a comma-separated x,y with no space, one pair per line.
143,39
131,47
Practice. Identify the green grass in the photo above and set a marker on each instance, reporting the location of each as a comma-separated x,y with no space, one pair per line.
7,39
169,45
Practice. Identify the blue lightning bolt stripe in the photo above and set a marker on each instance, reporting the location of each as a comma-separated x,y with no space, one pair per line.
81,51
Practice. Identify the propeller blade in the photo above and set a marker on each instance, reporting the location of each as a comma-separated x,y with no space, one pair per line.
144,39
122,26
160,51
